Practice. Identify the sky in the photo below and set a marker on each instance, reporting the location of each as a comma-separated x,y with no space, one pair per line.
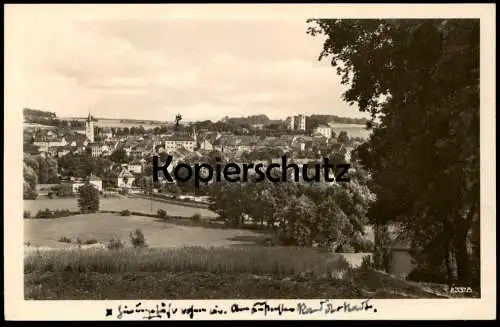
154,68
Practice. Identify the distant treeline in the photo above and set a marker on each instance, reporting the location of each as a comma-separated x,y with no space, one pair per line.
35,113
315,120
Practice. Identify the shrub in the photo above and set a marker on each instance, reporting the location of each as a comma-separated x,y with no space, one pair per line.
50,195
362,245
26,214
44,213
367,263
125,212
92,241
196,217
79,241
124,191
137,239
29,194
162,213
64,239
63,190
88,198
115,244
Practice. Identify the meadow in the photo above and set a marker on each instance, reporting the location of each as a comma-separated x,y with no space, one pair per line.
182,260
103,227
118,204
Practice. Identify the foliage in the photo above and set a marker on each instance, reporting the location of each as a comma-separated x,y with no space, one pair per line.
196,217
64,239
63,190
119,156
137,239
419,80
115,244
88,198
303,214
26,214
59,213
125,212
91,241
161,213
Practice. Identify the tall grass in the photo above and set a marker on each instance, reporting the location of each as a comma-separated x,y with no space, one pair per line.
275,261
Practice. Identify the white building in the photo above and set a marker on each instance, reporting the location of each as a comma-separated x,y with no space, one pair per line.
296,123
290,123
89,129
176,141
98,149
45,143
96,182
324,130
301,122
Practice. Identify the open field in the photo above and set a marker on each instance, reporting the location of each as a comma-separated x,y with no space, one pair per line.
105,226
201,273
132,204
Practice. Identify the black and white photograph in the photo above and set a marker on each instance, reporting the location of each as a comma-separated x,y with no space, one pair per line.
294,157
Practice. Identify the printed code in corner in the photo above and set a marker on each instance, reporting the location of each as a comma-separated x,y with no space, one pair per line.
461,290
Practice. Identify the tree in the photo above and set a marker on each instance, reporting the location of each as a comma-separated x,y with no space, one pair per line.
419,80
88,198
343,137
119,156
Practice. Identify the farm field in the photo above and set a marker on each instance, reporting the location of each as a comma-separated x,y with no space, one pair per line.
206,273
132,204
106,226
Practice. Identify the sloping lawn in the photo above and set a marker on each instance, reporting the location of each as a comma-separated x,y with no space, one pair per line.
104,226
118,204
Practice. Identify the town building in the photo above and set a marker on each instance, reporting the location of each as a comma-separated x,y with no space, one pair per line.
125,178
290,123
296,123
177,141
89,128
324,130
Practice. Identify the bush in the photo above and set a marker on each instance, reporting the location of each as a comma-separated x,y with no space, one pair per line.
196,217
63,190
29,194
115,244
26,214
124,191
47,213
88,198
137,239
79,241
367,263
44,213
162,213
362,245
64,239
125,212
50,195
92,241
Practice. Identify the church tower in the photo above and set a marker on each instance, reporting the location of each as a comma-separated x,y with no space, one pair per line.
89,128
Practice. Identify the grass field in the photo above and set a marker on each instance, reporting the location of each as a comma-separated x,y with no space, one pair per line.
105,226
132,204
201,273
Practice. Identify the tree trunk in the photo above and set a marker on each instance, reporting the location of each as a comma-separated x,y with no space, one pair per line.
463,267
451,268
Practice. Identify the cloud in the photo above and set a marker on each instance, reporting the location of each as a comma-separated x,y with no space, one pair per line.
206,70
